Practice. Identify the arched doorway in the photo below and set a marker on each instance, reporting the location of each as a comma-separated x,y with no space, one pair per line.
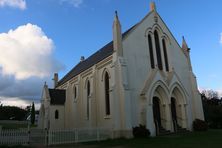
174,113
161,110
178,110
156,113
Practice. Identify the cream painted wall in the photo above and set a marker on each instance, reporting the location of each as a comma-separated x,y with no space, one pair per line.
57,123
136,52
76,109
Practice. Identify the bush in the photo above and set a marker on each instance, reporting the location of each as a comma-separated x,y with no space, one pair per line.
141,132
200,125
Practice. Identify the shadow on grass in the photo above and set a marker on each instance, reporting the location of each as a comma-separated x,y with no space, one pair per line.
209,139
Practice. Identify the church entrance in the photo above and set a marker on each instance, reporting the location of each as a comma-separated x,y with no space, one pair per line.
161,111
156,113
178,110
174,113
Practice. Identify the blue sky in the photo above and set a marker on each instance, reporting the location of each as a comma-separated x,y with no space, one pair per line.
69,29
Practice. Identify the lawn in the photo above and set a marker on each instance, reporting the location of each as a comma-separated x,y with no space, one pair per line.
209,139
14,125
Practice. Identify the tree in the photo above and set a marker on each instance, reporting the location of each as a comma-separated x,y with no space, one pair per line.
12,113
33,113
209,94
1,104
212,106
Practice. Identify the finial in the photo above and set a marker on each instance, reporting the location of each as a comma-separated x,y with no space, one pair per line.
152,6
184,44
116,14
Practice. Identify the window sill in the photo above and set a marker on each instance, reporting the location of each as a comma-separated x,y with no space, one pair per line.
107,117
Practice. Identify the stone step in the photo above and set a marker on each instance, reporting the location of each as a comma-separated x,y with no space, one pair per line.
163,131
181,130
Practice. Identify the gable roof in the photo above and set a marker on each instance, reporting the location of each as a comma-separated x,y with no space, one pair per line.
57,96
98,56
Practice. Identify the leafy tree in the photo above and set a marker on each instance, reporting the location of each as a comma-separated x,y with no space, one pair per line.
33,113
12,113
209,94
212,106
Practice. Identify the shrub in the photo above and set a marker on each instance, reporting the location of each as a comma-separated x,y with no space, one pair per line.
200,125
140,132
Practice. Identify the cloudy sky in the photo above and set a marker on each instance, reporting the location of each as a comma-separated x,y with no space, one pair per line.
40,37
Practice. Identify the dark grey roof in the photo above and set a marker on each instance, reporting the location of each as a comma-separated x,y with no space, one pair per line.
57,96
101,54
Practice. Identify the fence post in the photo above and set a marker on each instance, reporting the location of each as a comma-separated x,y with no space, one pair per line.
46,136
0,134
112,135
97,134
29,134
76,136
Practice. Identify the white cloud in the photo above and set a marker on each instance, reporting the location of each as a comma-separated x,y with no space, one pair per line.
219,91
21,4
26,61
221,38
75,3
18,102
27,52
21,92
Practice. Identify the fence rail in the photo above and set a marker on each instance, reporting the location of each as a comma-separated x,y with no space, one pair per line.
52,137
14,137
77,135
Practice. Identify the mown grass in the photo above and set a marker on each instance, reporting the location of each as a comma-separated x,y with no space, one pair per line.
209,139
15,126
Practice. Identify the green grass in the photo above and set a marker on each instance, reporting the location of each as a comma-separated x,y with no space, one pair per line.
14,126
15,146
209,139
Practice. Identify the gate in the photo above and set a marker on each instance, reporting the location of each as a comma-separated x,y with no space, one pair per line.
37,137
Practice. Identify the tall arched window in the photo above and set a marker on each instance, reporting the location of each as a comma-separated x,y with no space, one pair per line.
75,91
165,55
88,88
107,98
158,50
56,114
87,103
151,51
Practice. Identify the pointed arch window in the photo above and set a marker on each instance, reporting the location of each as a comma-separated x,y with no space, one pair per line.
151,51
107,97
165,55
87,102
56,114
75,91
158,50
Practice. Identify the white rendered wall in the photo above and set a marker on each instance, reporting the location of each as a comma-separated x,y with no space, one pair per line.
57,123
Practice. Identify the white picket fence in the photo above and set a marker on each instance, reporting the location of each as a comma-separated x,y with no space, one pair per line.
14,137
77,135
53,137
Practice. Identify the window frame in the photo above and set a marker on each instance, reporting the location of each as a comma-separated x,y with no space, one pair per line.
150,44
165,54
158,50
107,94
56,114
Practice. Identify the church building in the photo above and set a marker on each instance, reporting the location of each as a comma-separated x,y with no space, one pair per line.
142,77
